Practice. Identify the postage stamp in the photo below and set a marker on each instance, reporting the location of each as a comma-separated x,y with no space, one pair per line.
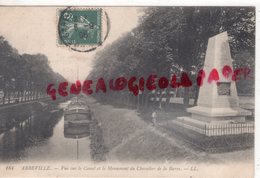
79,27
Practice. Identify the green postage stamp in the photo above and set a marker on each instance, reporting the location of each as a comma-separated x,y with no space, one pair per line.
79,27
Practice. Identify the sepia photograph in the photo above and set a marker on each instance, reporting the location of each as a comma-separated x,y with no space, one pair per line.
163,90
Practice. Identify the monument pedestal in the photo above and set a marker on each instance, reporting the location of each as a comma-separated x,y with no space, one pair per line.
218,115
217,122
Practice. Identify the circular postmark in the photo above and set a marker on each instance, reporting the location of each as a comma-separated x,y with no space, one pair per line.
82,29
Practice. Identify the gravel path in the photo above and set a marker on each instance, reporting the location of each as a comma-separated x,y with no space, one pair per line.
129,138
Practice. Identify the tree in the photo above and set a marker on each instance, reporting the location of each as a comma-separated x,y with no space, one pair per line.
174,39
185,31
24,73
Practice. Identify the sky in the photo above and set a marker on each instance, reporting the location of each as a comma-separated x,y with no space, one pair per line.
33,30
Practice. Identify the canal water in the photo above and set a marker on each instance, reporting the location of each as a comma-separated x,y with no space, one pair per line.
42,138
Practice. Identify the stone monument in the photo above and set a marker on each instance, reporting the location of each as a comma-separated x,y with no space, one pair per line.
218,103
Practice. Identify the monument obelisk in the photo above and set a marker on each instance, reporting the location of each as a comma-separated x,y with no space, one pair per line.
218,101
214,105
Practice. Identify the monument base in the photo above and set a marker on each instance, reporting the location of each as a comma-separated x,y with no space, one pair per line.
218,115
216,128
215,137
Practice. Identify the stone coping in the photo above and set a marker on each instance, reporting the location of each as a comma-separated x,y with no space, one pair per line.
219,112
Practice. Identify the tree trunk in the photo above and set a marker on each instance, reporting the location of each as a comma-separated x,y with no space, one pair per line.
4,96
9,97
143,100
18,96
186,97
168,98
146,96
24,95
127,99
196,96
160,100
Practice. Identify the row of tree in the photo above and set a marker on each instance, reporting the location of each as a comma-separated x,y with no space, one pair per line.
174,39
25,76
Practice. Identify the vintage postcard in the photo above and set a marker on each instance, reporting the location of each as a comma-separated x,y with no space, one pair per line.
145,91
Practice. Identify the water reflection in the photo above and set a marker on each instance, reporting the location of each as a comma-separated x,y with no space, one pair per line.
28,133
44,138
76,131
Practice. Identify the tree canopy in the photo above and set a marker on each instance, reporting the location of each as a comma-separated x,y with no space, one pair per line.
25,71
173,39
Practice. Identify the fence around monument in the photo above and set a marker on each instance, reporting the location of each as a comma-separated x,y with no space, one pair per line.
218,129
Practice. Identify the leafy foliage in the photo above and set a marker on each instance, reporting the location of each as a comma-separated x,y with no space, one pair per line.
173,39
26,71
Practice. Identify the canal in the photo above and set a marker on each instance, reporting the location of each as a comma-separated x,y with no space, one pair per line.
42,138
